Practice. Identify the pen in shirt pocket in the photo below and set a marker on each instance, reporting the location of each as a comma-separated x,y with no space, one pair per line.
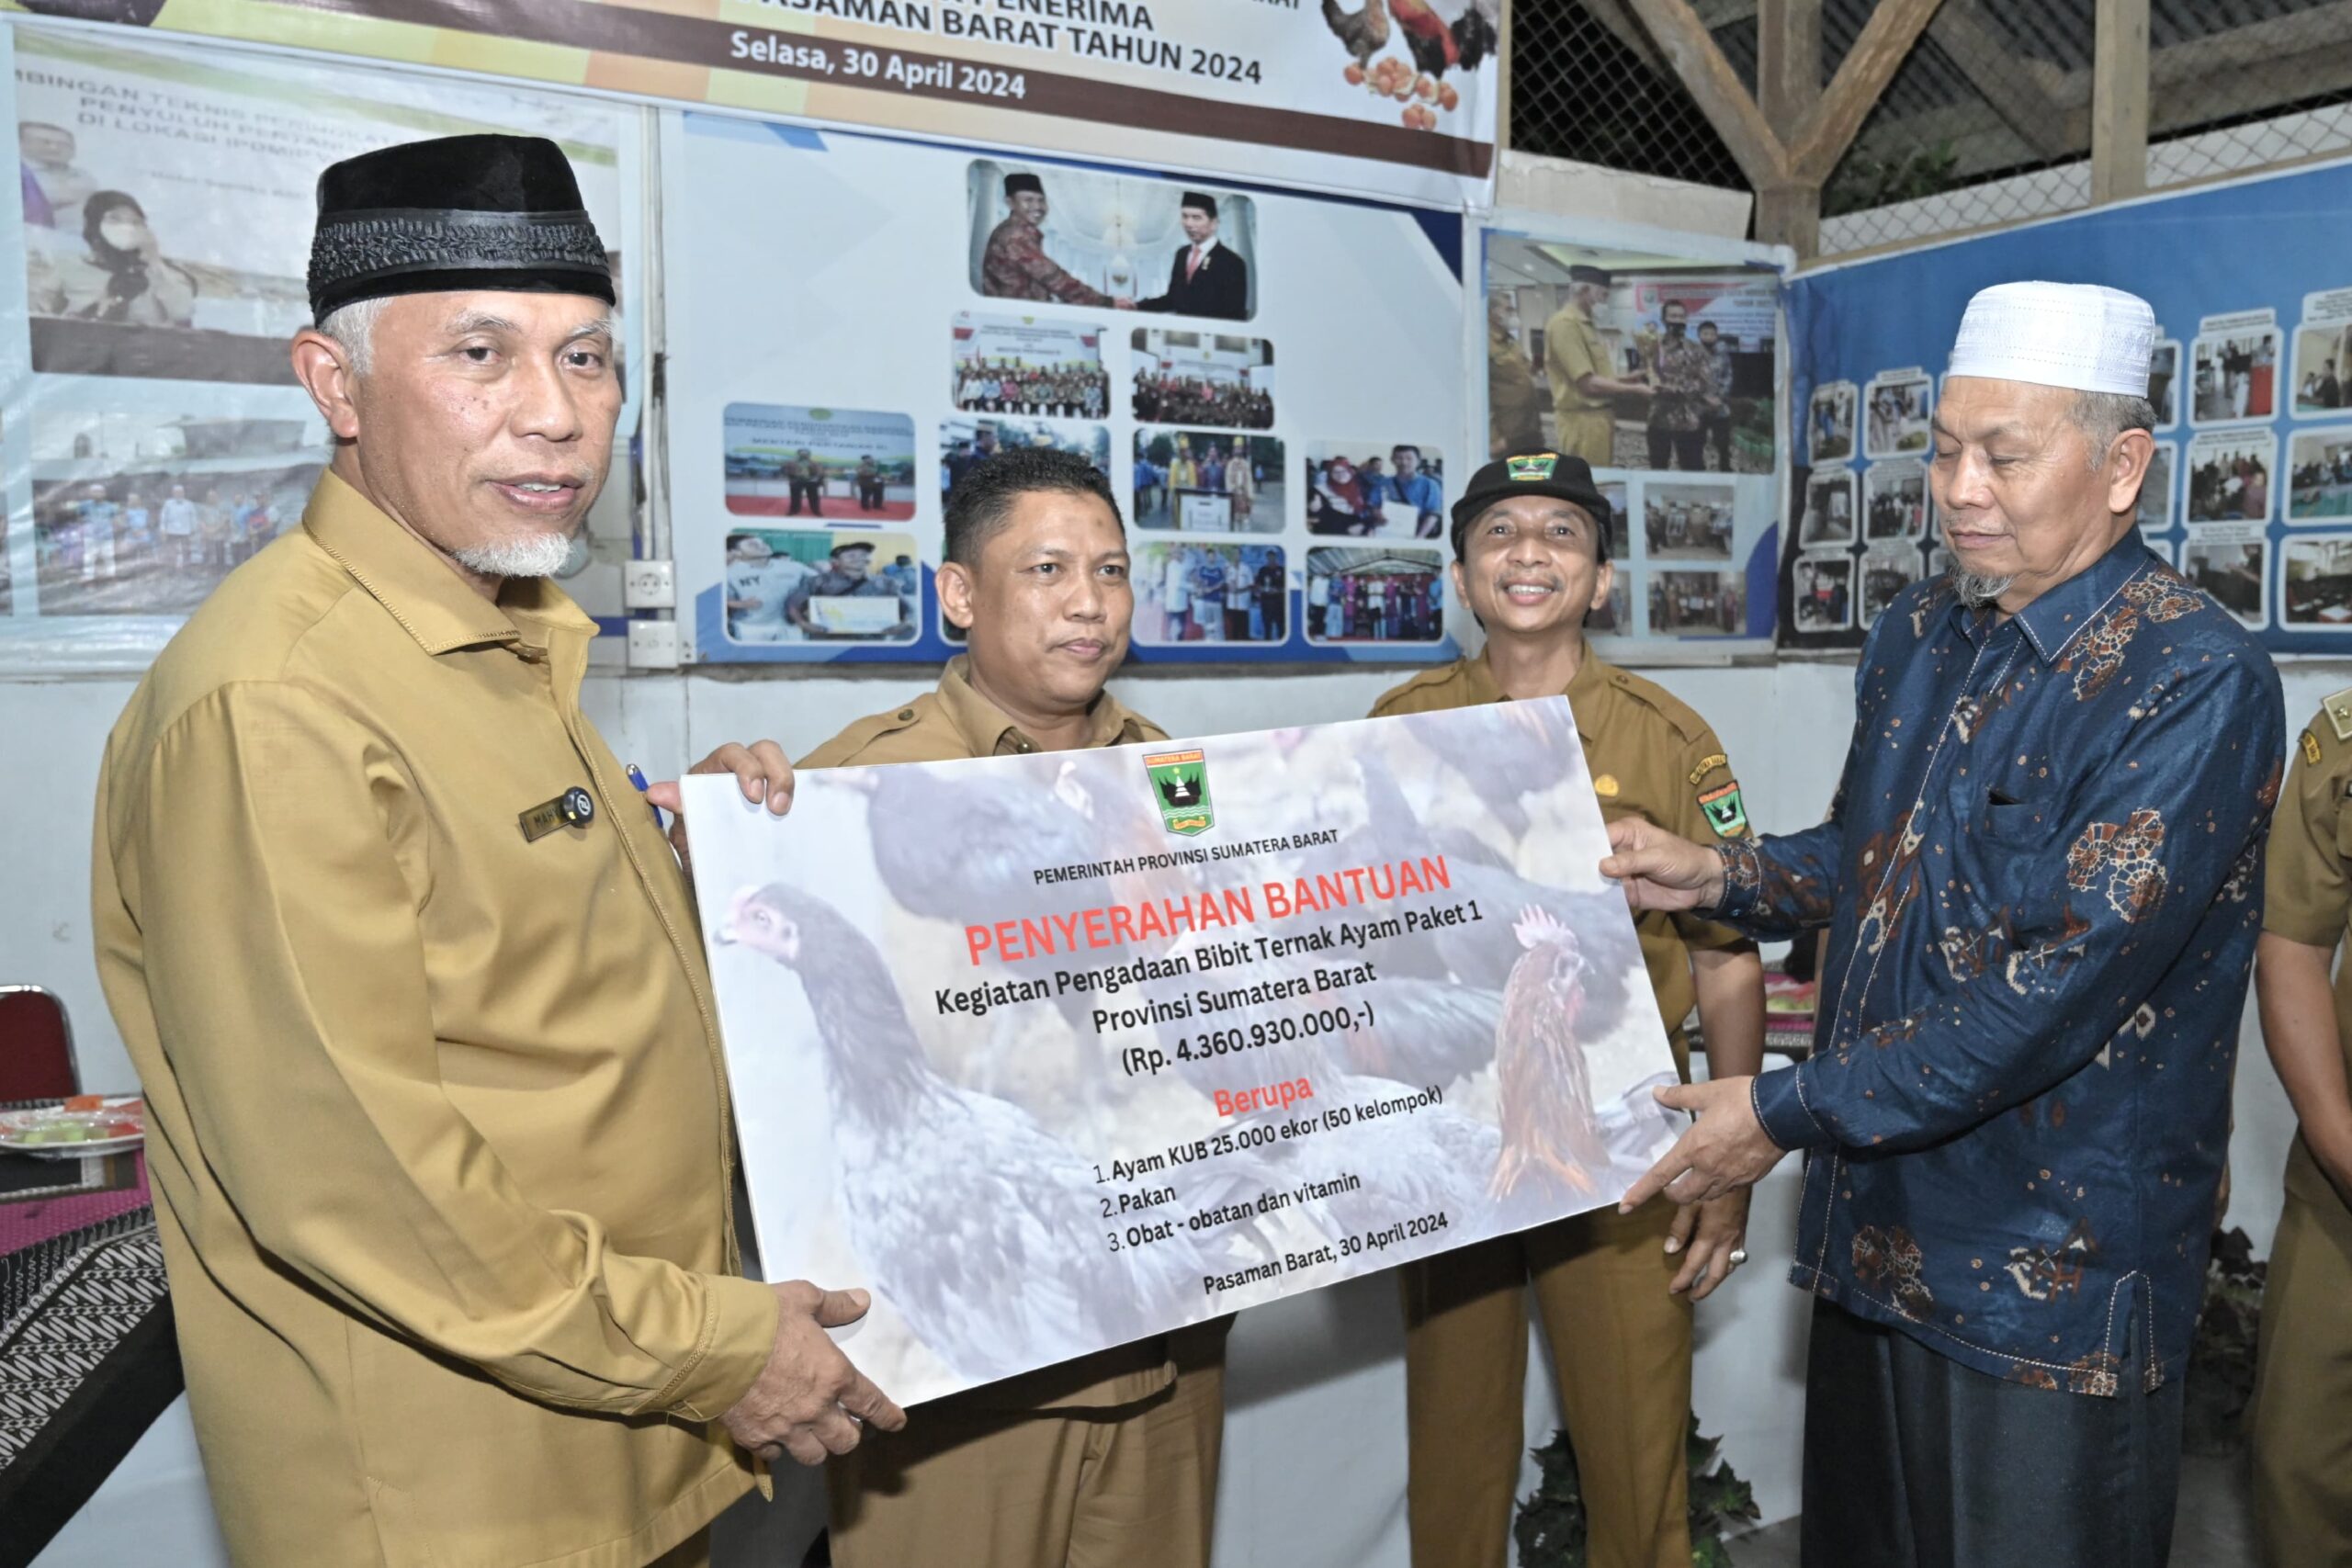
637,777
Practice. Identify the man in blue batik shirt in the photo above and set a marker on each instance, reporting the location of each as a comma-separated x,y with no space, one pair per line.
2042,881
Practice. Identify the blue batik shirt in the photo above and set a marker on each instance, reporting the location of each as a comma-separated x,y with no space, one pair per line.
2042,881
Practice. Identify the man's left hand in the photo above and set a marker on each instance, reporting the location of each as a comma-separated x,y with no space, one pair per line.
1706,1234
1725,1148
762,770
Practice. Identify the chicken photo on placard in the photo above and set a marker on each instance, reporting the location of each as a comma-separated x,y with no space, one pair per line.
1436,36
1550,1125
956,1199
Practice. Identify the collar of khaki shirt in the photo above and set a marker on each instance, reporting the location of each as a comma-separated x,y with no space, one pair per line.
989,733
423,593
1483,688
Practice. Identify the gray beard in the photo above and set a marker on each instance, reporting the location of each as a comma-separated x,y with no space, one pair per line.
1975,590
534,555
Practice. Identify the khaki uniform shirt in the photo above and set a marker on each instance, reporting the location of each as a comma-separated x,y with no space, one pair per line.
1513,405
951,724
2308,894
1650,757
438,1120
1572,350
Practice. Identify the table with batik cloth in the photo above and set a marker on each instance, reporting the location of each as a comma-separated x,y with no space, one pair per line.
87,1359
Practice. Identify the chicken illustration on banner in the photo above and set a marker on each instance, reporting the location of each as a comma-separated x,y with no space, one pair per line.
1046,1077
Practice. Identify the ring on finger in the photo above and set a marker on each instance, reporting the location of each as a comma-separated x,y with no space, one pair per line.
1737,1256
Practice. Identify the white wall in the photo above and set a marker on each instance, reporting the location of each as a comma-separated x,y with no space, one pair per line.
1315,1440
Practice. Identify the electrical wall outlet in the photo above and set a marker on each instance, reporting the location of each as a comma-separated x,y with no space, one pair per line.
653,644
650,585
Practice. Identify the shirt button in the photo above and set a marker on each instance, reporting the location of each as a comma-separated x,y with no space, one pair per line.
905,715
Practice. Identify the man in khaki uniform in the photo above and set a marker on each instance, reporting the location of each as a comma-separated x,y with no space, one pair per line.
439,1129
2303,1438
1110,1460
1514,406
1531,545
1576,362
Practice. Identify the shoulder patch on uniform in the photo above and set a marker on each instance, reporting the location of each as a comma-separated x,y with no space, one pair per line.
2311,749
1680,715
1708,764
1725,814
2338,709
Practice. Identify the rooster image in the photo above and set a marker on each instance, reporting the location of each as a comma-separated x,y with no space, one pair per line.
1363,33
953,1197
1549,1125
1437,46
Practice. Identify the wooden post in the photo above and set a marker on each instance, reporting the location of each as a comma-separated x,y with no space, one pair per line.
1790,215
1788,87
2120,101
1502,87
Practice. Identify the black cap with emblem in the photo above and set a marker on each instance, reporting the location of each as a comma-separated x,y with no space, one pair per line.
501,213
1533,473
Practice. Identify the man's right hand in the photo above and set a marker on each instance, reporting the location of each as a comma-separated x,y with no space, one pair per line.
809,1401
1662,870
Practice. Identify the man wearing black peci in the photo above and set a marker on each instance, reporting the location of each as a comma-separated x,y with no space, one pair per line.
1208,276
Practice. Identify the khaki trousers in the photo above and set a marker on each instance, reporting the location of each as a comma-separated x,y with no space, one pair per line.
1588,434
1622,1345
1132,1487
2302,1400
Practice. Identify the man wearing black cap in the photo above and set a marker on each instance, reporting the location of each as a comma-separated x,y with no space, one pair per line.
441,1149
1208,276
1576,362
848,575
1016,266
1531,559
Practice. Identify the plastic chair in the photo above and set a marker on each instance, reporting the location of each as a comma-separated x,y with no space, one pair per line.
36,1046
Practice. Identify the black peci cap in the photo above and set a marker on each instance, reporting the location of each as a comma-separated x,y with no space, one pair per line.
1201,199
1533,473
459,212
1015,184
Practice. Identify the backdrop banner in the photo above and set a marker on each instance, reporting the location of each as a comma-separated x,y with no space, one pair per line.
1222,1021
2251,492
1394,98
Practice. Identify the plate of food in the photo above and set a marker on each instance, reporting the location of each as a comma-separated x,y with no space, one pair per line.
84,1126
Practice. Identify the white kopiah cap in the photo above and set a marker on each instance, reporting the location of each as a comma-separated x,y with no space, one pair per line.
2081,335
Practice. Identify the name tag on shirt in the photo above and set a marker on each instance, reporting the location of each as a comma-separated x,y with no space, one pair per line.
575,807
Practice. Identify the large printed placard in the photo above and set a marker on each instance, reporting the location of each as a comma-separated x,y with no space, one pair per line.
980,301
1380,97
1168,1031
2251,492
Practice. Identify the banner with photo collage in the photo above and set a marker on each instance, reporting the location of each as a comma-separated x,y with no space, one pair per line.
152,434
2250,494
1269,380
1655,358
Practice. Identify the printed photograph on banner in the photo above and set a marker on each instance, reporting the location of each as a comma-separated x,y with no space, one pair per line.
1895,501
1829,430
1629,361
1896,410
2229,476
1056,235
2155,512
1615,618
1699,603
145,494
2232,564
1196,378
2323,367
795,585
2319,474
1887,570
2318,594
136,261
1392,490
2163,382
845,465
1193,593
1825,593
1358,593
2234,366
1621,522
1687,522
965,444
1208,481
1028,364
1828,516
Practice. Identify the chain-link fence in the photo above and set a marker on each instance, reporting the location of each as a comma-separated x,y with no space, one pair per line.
1986,121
